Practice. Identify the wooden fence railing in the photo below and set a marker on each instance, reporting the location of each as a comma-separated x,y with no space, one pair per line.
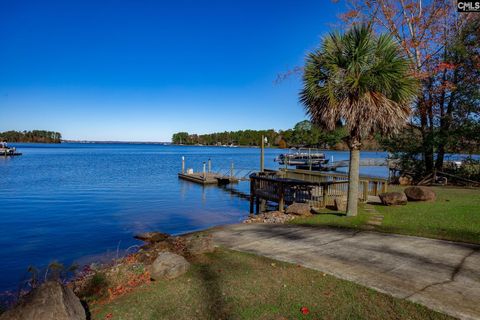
318,190
372,186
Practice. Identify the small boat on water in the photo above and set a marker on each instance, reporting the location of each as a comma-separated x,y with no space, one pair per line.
7,151
302,159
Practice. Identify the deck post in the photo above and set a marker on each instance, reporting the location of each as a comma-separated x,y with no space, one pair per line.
263,205
183,165
365,190
325,195
262,154
252,194
384,186
281,201
375,188
204,170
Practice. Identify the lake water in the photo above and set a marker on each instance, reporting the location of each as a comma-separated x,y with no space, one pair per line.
75,202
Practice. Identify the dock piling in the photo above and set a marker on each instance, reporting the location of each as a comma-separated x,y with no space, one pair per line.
365,190
262,154
183,165
204,170
310,159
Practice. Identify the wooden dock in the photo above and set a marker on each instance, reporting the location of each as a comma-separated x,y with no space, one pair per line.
207,178
374,162
6,151
13,154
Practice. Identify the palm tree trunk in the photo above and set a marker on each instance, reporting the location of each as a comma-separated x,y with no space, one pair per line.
353,181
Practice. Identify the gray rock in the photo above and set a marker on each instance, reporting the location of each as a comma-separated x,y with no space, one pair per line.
393,198
168,266
270,217
420,194
299,209
199,243
49,301
341,203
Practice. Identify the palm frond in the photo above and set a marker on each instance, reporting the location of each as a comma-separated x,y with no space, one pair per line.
359,79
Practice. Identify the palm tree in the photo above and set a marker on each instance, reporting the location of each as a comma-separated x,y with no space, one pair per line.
364,81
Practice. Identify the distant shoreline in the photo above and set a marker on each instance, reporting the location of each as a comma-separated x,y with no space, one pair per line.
272,147
115,142
194,145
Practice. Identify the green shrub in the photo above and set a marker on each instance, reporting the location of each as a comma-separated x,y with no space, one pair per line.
95,288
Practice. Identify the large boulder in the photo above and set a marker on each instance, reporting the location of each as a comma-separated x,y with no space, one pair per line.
393,198
340,203
199,243
49,301
168,266
419,194
299,209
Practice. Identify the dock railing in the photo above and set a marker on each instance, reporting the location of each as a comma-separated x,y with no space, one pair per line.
319,189
372,185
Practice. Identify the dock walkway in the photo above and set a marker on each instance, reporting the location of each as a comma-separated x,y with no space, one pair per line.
220,176
207,178
441,275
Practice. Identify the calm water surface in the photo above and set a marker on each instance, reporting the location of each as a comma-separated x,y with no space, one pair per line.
73,202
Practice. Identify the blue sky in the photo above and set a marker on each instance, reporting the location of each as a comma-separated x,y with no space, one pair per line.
141,70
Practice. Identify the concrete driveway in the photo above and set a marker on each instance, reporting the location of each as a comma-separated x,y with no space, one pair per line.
442,275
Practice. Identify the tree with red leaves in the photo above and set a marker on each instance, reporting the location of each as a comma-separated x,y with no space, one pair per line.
443,47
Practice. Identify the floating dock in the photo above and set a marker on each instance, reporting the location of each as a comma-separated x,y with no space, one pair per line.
10,154
7,151
207,178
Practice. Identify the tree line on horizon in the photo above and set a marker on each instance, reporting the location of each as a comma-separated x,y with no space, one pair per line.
303,134
37,136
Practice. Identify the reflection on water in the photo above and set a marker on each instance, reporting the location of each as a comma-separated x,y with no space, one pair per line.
70,201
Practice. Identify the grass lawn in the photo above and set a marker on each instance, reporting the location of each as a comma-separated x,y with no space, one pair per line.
455,215
233,285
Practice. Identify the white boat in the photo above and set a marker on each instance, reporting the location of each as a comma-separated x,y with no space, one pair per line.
302,157
7,151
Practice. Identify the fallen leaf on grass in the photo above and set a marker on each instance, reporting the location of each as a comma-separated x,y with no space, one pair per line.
304,310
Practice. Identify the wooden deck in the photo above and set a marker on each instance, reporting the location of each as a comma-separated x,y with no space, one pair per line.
315,188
